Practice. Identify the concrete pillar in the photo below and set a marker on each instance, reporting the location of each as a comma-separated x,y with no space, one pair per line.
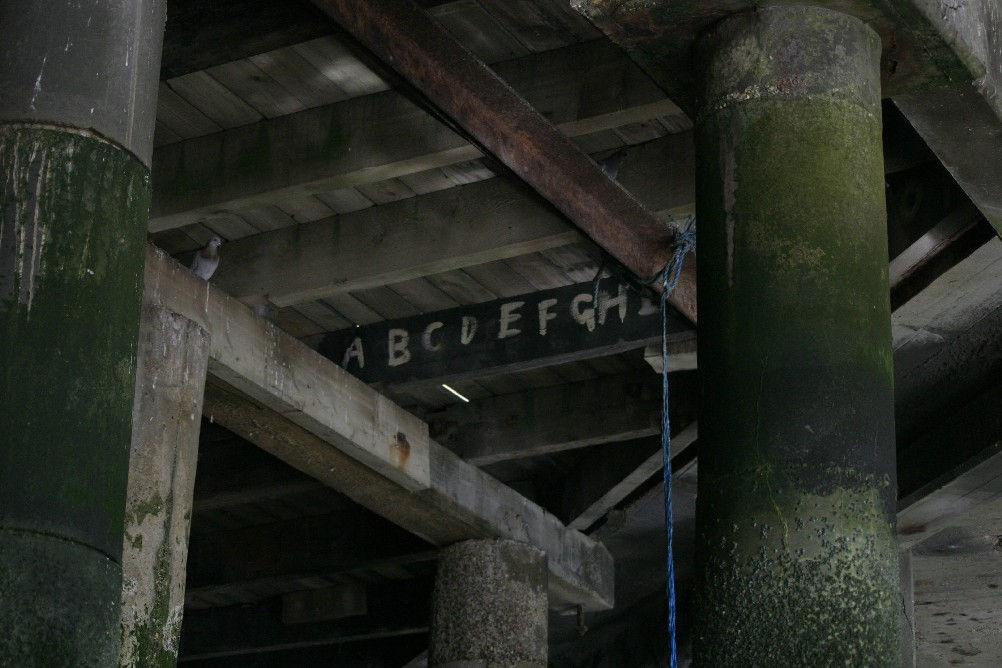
170,384
907,608
489,608
796,555
78,82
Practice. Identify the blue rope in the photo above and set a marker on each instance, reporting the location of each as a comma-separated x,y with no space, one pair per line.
685,241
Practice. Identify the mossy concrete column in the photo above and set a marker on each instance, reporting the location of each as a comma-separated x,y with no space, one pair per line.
796,556
78,82
170,383
489,608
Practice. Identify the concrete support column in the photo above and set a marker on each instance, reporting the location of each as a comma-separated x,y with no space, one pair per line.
170,384
79,83
796,554
489,609
907,608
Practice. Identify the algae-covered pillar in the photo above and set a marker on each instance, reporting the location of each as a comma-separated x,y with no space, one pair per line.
795,518
79,86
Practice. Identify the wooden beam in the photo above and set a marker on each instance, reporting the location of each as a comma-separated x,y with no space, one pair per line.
228,566
951,240
503,336
566,417
439,232
604,478
232,472
948,342
280,395
960,492
590,87
393,610
965,133
201,34
971,430
261,360
316,605
443,231
462,503
404,38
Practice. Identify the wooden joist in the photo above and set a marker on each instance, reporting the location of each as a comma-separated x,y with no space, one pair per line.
566,417
434,233
278,394
504,336
452,229
583,89
507,125
294,554
965,133
605,478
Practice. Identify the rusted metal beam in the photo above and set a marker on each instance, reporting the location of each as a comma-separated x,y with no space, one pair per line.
465,89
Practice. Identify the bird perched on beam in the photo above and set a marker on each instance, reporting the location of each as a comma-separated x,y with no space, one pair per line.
206,260
610,165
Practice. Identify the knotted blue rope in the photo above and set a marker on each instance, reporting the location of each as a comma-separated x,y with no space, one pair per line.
685,241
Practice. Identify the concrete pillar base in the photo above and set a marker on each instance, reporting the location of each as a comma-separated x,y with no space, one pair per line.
58,600
489,609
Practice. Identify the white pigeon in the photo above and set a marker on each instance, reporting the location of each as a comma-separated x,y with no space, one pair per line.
206,260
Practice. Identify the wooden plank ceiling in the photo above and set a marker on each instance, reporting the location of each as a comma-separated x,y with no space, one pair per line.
322,72
435,225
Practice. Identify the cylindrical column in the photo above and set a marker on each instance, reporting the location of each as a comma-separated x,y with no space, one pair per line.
76,123
489,609
170,383
795,517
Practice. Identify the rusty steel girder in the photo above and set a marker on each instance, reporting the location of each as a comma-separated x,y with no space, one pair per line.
471,94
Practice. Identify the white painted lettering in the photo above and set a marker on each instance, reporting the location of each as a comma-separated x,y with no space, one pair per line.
426,339
605,303
647,306
398,340
468,330
509,316
354,351
581,316
545,315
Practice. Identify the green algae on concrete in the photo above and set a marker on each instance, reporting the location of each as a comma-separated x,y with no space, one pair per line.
58,603
659,36
73,211
172,360
795,518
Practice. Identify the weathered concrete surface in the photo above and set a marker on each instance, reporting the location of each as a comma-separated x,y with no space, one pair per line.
71,248
796,554
973,29
659,36
88,65
489,608
171,365
75,143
